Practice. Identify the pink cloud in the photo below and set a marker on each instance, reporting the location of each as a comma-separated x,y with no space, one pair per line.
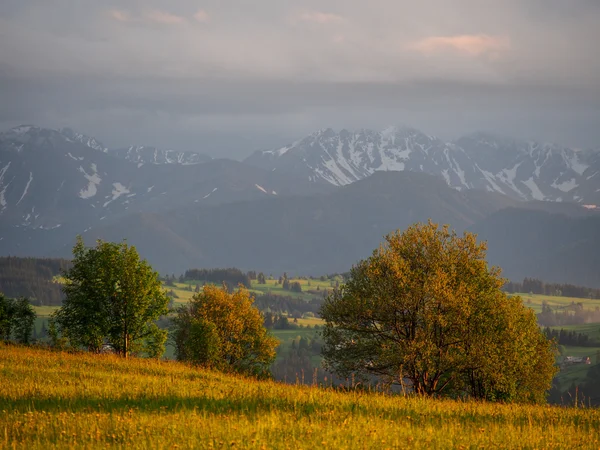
201,16
162,17
339,39
119,16
473,45
320,17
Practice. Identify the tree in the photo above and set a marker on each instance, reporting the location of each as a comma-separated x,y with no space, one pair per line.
425,310
261,278
223,330
112,297
17,319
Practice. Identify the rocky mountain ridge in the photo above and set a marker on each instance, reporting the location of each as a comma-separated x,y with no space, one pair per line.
524,170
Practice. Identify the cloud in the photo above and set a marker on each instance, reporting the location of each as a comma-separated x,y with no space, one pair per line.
473,45
154,16
320,17
119,16
201,16
164,18
339,39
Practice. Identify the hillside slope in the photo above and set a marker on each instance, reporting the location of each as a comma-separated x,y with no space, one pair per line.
60,400
543,245
311,234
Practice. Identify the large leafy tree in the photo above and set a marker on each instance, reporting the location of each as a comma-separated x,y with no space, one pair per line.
112,297
225,331
426,311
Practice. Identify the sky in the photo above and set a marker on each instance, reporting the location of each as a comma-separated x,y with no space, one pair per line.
227,78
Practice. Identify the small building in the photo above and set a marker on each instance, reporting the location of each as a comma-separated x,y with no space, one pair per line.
577,360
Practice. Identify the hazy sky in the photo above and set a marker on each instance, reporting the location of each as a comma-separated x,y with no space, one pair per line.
229,77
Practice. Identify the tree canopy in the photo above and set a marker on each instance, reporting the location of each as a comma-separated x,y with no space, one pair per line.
225,331
112,297
427,312
17,319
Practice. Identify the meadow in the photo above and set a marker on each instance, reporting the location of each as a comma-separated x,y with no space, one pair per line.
59,400
568,375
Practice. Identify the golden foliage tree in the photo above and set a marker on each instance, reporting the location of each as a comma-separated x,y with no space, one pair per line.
426,311
225,331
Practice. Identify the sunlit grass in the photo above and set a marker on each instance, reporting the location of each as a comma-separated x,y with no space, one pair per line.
535,301
59,400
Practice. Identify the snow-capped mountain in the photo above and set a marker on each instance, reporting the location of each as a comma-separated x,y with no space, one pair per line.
520,169
139,154
67,183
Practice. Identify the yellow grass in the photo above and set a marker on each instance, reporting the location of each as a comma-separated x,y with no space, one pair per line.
59,400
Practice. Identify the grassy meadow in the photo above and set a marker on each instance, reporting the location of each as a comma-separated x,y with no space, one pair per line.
570,374
60,400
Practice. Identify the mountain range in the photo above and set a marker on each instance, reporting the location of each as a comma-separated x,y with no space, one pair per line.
524,170
312,207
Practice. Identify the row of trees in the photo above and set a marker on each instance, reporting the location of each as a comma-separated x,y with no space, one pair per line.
424,311
230,276
288,305
573,314
32,278
566,337
535,286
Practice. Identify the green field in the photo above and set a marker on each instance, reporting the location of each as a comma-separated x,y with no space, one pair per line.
535,301
60,400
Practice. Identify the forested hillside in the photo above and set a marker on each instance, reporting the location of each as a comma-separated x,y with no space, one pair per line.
33,278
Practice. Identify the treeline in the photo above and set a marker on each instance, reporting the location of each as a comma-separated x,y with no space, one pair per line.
573,314
230,276
586,393
297,363
535,286
566,337
294,307
32,278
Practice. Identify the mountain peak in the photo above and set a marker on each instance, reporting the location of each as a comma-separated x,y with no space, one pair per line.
517,168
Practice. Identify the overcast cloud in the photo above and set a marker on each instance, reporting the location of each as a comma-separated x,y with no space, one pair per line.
229,77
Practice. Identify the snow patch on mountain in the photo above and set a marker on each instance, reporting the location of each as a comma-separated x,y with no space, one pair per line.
26,187
117,191
566,186
260,188
3,202
535,190
208,195
76,158
22,129
577,165
93,182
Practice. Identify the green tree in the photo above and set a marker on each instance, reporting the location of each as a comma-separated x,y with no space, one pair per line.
425,310
112,297
6,317
225,331
17,319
